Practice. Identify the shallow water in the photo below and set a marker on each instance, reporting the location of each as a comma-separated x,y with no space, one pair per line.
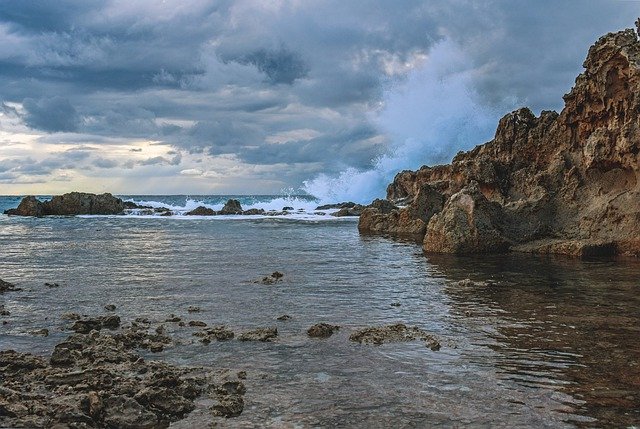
529,342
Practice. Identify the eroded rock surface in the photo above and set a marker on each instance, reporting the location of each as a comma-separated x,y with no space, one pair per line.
555,183
393,334
322,330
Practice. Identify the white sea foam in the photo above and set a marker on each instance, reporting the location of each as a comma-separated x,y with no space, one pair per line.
432,116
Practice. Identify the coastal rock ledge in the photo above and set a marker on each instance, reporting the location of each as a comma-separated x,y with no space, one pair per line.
563,183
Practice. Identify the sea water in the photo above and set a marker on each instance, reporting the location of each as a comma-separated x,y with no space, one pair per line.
527,341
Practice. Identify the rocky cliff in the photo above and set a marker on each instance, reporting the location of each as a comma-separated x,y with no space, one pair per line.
557,183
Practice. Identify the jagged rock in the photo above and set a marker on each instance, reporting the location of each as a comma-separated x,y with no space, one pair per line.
393,334
216,333
322,330
95,324
232,207
201,211
29,206
557,183
260,334
283,318
74,203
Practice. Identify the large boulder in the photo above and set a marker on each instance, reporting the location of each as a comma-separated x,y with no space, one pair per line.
468,223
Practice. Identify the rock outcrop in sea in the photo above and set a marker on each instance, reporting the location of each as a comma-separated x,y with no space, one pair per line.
563,183
73,203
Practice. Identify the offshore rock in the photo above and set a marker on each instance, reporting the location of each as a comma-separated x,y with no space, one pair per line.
201,211
74,203
555,183
7,287
232,207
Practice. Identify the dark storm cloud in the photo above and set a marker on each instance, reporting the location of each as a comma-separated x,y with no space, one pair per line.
51,114
221,77
280,66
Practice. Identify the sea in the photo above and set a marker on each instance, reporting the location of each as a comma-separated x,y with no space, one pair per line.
527,340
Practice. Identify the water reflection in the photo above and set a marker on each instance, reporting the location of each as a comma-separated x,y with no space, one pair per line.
561,323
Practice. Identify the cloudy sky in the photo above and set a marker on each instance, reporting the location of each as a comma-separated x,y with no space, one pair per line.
255,96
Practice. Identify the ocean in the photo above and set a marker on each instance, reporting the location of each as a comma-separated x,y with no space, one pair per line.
527,341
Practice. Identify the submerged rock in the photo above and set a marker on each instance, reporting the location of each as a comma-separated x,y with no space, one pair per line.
398,332
275,277
260,334
322,330
555,183
7,287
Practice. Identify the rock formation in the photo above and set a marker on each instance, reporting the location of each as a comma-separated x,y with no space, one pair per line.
557,183
74,203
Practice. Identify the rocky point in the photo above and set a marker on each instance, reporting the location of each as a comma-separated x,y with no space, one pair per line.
563,183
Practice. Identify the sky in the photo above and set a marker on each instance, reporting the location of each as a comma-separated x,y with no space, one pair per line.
262,97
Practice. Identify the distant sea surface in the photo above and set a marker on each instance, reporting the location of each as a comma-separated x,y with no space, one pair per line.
527,341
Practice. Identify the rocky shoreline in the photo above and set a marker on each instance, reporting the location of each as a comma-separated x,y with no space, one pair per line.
566,183
97,377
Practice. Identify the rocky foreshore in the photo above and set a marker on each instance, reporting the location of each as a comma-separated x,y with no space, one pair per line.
563,183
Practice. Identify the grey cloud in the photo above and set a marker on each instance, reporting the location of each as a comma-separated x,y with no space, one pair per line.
280,66
51,114
105,163
220,77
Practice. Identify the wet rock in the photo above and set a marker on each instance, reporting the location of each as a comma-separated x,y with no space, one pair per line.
287,209
228,406
7,287
260,334
343,205
193,309
253,212
242,375
52,285
284,317
173,318
4,311
322,330
216,333
97,380
275,277
356,210
395,304
127,413
96,323
70,316
196,323
394,333
201,211
110,307
232,207
44,332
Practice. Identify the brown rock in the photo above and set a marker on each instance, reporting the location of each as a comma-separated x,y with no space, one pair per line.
74,203
322,330
260,334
